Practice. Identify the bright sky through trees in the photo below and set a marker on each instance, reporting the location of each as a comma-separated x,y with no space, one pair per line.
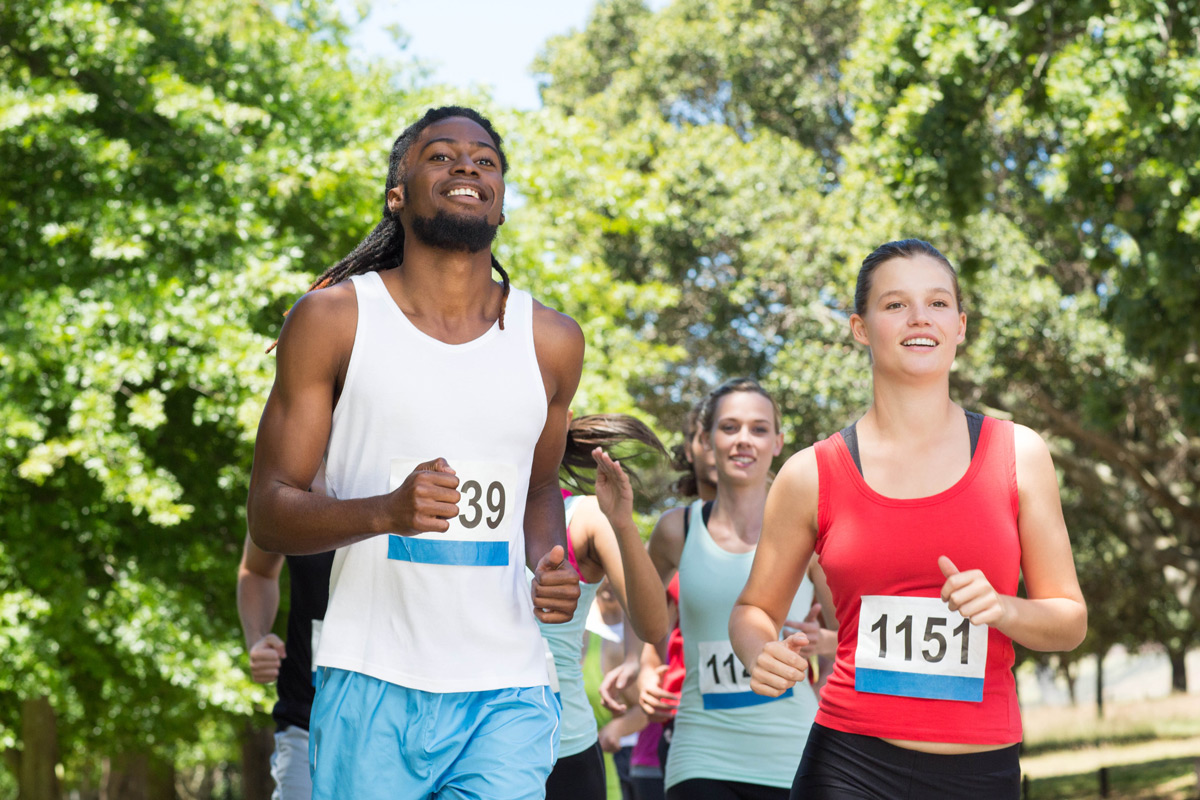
472,42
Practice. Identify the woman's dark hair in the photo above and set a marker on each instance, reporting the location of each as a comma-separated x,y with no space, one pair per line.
603,430
904,248
384,246
708,407
686,485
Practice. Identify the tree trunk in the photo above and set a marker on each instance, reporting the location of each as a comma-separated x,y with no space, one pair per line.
137,777
1068,671
257,746
1178,670
37,778
160,783
1100,685
123,777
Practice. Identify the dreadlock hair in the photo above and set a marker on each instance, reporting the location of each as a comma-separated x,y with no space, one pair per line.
384,247
686,485
603,430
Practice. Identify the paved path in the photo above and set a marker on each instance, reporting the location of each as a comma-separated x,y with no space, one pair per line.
1091,759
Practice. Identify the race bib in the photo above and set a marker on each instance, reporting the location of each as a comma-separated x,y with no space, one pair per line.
918,647
480,534
724,682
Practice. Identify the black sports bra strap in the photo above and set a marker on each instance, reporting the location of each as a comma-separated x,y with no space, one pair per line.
850,436
687,519
706,511
974,426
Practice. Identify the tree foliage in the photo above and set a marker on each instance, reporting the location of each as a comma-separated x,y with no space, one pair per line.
172,175
1048,148
697,192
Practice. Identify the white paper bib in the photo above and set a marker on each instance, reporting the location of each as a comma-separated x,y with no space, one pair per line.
918,647
479,535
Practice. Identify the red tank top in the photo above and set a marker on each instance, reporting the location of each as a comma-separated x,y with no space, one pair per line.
907,667
672,680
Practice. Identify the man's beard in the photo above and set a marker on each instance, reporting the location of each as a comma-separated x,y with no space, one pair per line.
454,232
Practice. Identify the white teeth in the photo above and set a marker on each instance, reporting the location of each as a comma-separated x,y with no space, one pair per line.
463,191
922,341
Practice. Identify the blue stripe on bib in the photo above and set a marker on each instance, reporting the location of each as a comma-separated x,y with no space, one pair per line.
908,684
723,700
446,551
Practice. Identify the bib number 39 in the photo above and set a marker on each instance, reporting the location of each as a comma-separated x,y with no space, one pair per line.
918,647
479,535
475,497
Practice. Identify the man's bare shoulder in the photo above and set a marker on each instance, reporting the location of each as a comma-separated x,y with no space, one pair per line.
325,317
559,341
555,324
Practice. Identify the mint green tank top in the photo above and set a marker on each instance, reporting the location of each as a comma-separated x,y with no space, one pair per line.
565,644
723,730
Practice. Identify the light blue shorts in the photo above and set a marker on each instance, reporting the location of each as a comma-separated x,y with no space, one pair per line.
373,739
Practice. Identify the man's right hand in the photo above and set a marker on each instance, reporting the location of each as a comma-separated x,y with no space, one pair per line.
427,500
265,657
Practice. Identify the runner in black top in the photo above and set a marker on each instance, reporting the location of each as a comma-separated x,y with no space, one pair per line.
288,665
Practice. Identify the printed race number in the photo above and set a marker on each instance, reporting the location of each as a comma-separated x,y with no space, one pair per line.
720,670
479,535
918,647
472,493
724,682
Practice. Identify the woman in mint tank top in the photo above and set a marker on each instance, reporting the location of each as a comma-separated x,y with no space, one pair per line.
730,743
926,518
603,541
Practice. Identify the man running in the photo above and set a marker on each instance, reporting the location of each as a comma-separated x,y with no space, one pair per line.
437,399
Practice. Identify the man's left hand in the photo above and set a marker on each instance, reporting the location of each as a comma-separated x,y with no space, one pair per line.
555,587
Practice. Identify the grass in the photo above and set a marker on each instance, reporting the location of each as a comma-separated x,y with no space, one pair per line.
591,680
1150,748
1168,779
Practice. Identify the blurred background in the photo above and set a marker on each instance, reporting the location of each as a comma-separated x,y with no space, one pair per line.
695,182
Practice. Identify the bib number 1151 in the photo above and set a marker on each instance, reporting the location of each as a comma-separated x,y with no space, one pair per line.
934,645
918,647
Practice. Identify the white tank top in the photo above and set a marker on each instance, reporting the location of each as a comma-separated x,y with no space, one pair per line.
438,612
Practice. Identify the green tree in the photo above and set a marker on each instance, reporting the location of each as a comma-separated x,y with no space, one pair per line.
172,175
1069,130
1048,148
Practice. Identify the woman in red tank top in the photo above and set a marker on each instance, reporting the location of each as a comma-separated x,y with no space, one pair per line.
924,518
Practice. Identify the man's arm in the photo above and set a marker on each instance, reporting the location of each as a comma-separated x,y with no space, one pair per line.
558,342
283,516
257,605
